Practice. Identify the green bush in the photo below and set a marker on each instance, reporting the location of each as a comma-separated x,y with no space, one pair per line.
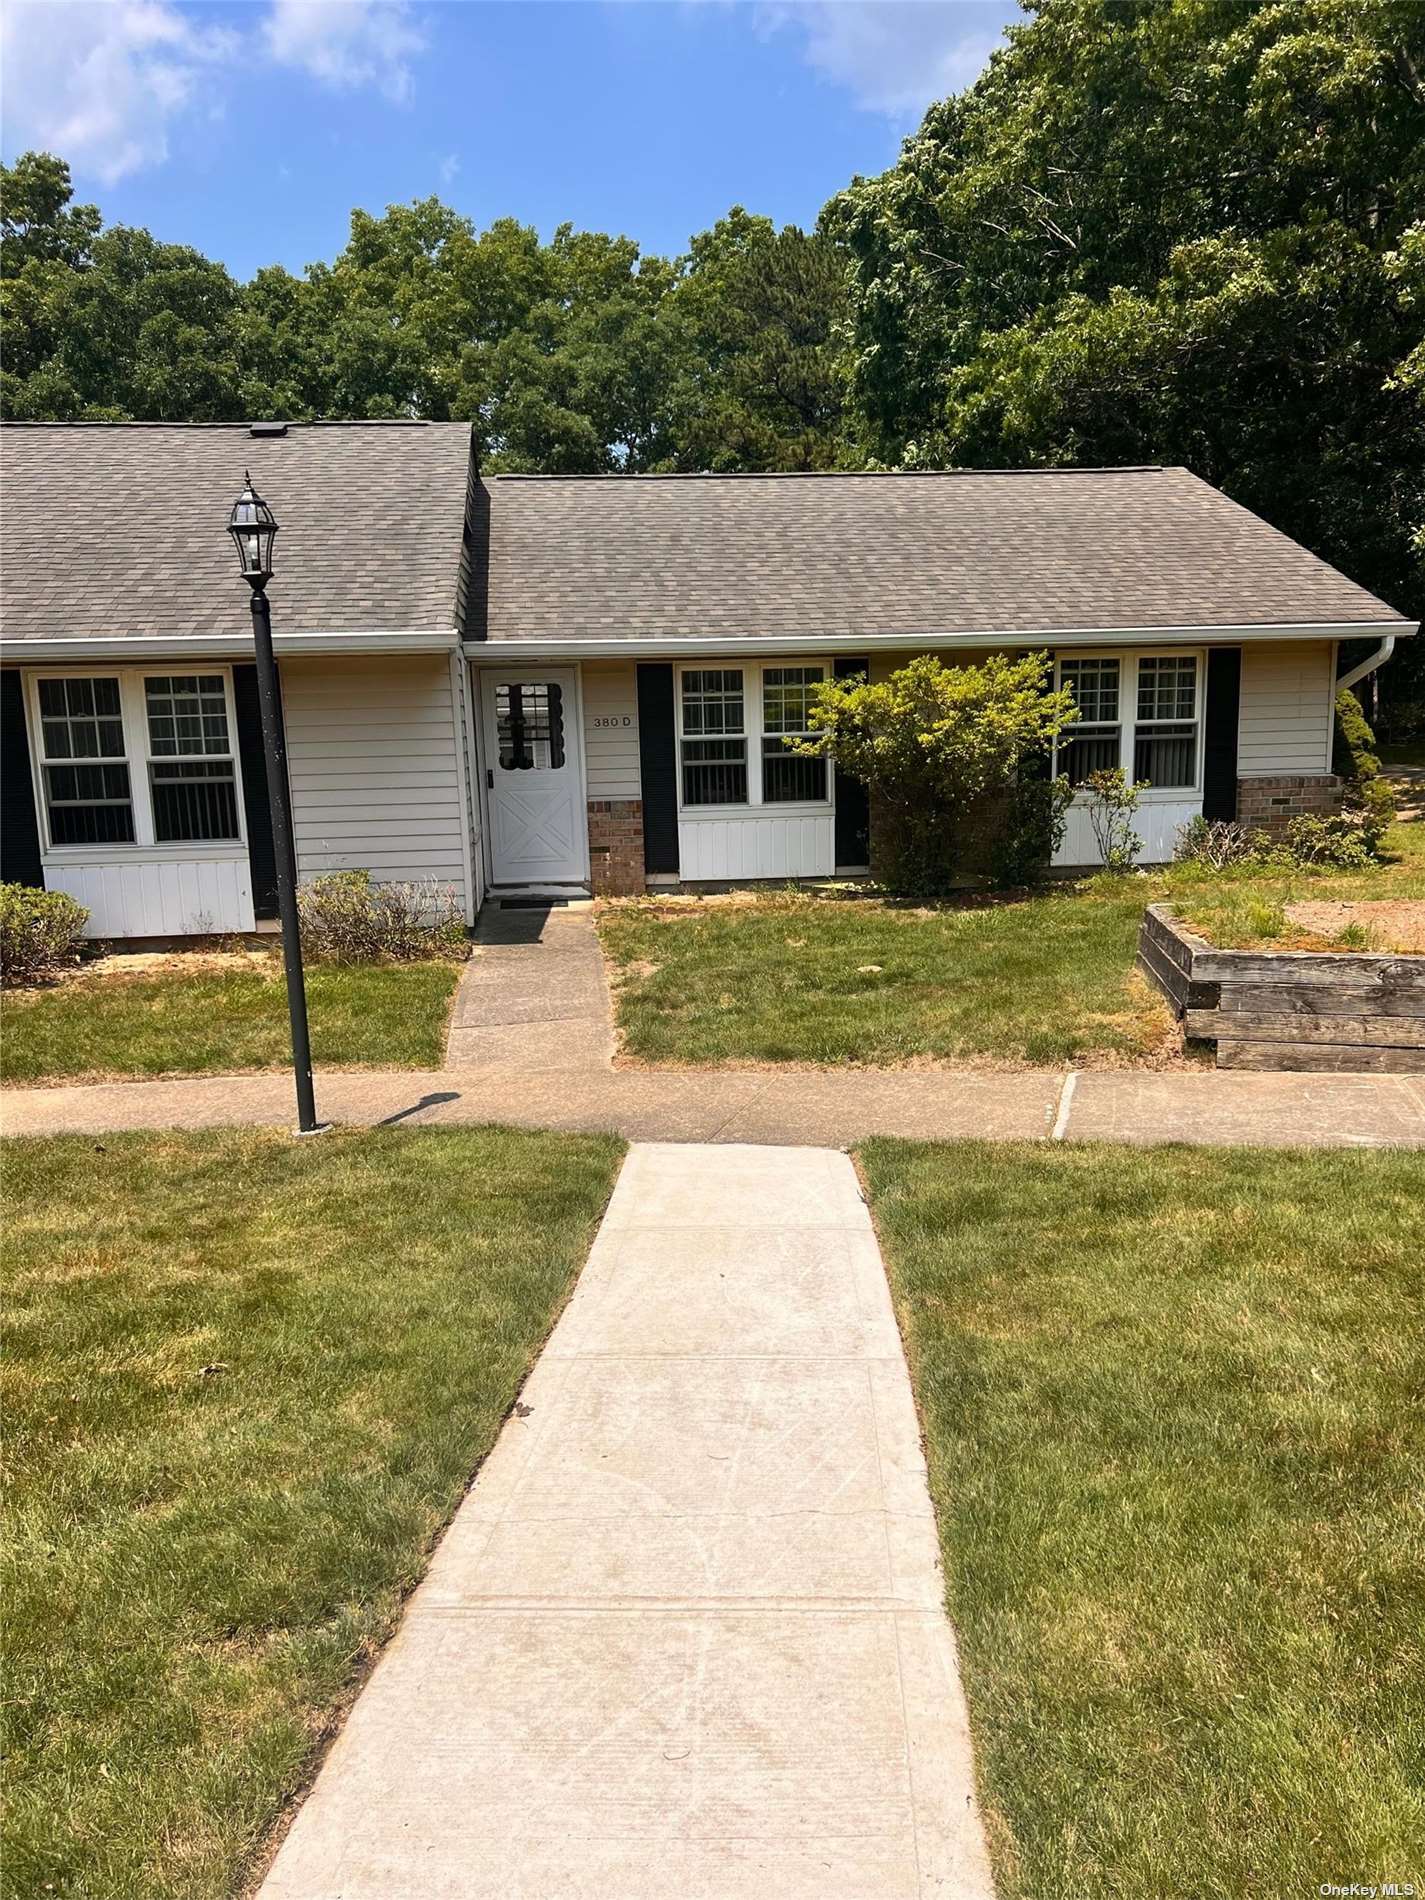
1338,844
1367,800
347,918
942,750
1113,799
40,932
1035,817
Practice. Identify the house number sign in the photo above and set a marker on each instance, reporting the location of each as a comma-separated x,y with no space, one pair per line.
611,719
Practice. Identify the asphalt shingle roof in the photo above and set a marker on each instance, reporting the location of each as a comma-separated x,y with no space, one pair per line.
120,529
644,557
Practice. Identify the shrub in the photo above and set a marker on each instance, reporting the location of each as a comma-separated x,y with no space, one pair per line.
1033,830
1221,844
1341,844
1113,799
40,932
1367,799
346,918
942,750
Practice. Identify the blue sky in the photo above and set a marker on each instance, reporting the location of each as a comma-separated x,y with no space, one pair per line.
251,130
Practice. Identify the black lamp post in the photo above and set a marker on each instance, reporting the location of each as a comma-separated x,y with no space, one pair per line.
252,526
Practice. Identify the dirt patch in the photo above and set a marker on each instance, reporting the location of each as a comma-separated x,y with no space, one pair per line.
1388,923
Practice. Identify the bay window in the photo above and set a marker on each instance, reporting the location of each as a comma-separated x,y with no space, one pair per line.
137,760
736,725
1142,712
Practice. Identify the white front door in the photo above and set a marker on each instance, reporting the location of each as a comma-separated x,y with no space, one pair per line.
534,780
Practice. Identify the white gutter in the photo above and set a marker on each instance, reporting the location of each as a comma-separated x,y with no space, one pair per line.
634,646
115,649
1368,664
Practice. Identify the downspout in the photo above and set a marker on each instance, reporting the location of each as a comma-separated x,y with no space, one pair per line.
1368,664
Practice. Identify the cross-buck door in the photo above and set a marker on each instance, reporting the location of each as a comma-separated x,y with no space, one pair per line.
533,777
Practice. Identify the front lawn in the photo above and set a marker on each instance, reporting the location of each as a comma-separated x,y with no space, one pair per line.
1174,1407
247,1381
193,1018
1041,979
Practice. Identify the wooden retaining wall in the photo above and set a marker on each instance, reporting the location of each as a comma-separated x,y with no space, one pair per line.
1308,1010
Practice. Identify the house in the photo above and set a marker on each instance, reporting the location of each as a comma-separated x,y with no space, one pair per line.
570,683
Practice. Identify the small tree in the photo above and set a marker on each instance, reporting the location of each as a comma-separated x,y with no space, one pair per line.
939,747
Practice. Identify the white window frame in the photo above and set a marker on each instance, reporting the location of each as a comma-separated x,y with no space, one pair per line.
1128,712
133,706
753,733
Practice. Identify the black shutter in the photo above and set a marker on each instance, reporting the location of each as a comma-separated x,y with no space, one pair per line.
1219,755
19,824
853,806
658,769
261,853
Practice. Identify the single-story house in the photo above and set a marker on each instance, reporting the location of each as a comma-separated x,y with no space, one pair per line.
552,683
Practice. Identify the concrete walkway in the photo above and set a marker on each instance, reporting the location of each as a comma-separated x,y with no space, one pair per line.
832,1108
684,1639
533,995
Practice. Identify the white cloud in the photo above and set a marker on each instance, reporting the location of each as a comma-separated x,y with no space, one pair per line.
348,43
101,81
449,166
894,56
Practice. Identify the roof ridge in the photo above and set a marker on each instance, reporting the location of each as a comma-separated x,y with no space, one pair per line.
314,422
820,474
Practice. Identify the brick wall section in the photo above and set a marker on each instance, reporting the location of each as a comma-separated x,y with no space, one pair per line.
1272,802
616,847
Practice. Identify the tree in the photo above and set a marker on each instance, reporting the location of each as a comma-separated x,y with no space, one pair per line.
1185,232
760,383
943,750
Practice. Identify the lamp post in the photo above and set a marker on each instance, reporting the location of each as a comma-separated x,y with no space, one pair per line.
253,526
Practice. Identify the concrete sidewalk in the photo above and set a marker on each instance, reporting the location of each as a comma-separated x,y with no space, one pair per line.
685,1638
831,1108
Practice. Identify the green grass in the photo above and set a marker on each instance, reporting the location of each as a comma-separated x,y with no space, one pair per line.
247,1380
1043,979
1174,1406
181,1022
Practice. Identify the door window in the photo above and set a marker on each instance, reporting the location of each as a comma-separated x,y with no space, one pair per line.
529,725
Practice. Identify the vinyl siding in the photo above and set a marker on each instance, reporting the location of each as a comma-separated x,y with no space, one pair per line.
1286,708
611,729
371,757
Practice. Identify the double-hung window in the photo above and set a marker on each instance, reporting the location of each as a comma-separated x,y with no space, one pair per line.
1139,711
1094,742
714,736
85,767
788,778
1165,730
137,760
191,774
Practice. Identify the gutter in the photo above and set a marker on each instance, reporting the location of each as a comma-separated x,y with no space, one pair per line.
674,646
1368,664
117,649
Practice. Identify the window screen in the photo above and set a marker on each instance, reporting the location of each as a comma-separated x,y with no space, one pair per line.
529,726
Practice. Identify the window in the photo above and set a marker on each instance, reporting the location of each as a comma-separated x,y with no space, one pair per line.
1093,742
1165,732
88,797
786,701
714,737
529,726
192,778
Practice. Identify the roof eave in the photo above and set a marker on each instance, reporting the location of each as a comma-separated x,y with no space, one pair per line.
121,649
680,646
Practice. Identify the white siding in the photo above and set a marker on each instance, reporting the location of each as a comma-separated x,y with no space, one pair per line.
1286,709
611,729
763,845
371,757
159,897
